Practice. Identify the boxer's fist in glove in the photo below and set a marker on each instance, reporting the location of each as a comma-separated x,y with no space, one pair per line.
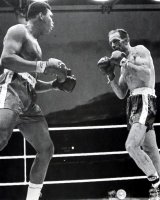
106,67
117,57
53,67
67,86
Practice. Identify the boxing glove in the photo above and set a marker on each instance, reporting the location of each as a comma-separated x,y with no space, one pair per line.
118,57
106,67
53,67
67,86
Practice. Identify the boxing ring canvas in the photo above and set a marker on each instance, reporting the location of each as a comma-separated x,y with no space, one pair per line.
88,126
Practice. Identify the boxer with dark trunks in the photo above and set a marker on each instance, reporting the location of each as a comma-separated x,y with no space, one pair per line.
137,75
19,83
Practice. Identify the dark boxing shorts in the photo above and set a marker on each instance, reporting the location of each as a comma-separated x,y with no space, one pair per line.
17,93
141,107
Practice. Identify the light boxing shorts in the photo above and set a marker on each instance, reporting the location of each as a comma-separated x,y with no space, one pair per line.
17,93
141,107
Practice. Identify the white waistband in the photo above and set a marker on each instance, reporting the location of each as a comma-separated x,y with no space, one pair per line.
143,91
29,78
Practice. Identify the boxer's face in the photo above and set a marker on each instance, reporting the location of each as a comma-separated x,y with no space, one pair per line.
48,23
116,42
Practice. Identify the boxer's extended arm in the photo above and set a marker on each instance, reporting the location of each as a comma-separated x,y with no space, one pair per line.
67,86
10,58
42,86
120,88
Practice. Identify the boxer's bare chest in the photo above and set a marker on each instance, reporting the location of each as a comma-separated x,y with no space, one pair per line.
30,49
135,58
130,76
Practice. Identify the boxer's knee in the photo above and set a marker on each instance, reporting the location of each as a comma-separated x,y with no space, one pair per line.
132,148
4,137
129,147
50,150
47,151
147,149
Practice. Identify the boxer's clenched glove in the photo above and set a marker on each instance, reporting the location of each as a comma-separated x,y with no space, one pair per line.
67,86
118,58
53,67
106,67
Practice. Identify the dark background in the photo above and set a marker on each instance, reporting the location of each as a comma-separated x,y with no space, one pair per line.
80,40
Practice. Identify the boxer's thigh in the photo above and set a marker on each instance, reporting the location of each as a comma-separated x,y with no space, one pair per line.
7,123
136,135
37,134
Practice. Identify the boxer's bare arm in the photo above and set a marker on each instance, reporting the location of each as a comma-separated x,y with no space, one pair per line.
120,87
13,44
42,86
21,52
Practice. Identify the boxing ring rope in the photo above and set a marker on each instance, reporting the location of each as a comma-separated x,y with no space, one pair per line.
25,157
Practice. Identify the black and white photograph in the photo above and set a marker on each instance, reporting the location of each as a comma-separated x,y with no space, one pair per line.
79,99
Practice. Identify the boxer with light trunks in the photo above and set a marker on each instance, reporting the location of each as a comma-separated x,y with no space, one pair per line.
137,75
19,83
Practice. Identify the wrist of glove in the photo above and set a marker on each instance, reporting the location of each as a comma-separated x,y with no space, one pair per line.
110,77
67,86
53,67
124,62
41,66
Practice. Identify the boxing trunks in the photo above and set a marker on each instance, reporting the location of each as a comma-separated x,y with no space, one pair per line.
17,92
141,107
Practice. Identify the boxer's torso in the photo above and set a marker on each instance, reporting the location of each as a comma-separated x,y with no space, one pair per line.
139,78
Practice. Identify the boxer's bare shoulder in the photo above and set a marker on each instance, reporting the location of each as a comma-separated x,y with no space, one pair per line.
16,32
138,51
19,40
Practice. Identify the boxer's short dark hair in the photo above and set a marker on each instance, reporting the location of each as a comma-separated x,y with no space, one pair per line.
37,7
123,33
